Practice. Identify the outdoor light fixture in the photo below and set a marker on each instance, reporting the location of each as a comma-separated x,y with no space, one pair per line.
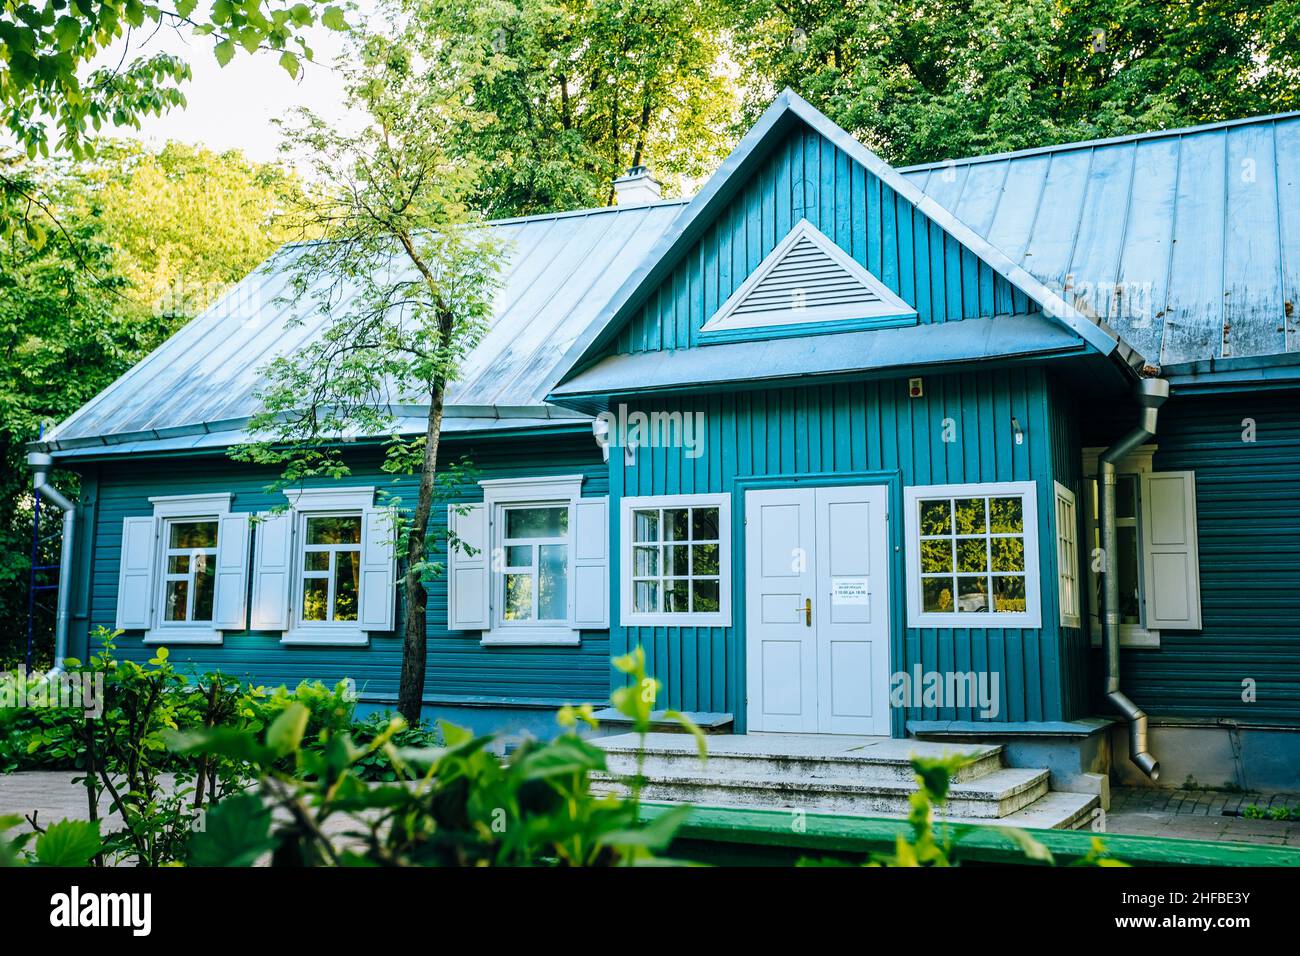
1015,427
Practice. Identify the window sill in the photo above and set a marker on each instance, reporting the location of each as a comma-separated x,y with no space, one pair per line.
531,637
179,636
327,639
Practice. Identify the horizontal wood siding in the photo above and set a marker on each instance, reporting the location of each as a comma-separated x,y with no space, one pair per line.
458,666
863,427
1248,517
806,176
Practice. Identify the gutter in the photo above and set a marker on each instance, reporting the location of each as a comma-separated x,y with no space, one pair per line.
1150,394
40,463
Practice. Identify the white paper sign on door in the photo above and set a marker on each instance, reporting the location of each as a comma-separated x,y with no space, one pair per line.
849,591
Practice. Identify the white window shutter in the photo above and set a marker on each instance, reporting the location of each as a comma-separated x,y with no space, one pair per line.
468,576
1171,563
272,565
135,580
589,604
230,611
378,571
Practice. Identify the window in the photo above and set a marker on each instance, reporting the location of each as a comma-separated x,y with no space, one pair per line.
331,568
184,570
529,566
189,577
973,555
1067,555
676,560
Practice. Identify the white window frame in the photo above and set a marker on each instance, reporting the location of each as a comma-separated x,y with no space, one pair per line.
721,617
1031,617
1069,593
323,503
499,496
177,509
1136,463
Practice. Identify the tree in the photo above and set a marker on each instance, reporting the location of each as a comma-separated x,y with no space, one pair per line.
404,279
927,80
576,91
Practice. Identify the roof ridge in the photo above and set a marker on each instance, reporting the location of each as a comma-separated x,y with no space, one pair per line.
1104,141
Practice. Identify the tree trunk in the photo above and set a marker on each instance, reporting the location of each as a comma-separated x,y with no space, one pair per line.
410,692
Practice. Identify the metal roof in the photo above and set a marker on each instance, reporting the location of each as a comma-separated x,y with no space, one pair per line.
1186,242
559,271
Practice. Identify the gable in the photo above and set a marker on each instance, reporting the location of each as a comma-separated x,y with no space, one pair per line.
807,279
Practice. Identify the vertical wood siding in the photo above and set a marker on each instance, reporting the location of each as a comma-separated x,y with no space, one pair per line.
808,177
458,666
865,427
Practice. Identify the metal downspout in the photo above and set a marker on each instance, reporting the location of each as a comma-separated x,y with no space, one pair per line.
1150,394
40,463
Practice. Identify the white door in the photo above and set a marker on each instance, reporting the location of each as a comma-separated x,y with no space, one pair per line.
817,610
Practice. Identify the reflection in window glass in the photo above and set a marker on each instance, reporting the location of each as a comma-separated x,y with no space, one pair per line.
535,582
189,578
331,569
676,565
972,555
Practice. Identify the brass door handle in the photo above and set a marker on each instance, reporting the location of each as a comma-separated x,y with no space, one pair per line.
807,612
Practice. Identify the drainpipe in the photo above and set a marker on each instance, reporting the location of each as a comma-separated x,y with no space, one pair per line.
1150,394
40,463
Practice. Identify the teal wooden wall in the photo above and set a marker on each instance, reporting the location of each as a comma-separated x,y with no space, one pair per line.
806,176
1248,519
460,670
848,429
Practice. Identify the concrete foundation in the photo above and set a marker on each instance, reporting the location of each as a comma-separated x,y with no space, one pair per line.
1218,755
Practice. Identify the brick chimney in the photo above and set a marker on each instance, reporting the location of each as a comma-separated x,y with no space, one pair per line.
638,186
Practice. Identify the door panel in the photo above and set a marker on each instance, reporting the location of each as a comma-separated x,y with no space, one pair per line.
827,672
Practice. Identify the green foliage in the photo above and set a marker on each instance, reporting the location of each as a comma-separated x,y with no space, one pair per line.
927,80
46,47
578,91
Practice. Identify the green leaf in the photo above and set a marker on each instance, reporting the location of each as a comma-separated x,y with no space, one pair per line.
235,833
285,734
1031,848
290,63
67,31
333,19
185,7
655,836
69,843
225,50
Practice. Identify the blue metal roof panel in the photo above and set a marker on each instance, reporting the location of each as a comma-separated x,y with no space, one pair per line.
1186,242
558,272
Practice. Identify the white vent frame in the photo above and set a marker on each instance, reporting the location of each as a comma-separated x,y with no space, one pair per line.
887,304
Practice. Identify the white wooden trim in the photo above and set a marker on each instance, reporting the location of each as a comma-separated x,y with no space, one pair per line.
1067,541
330,498
888,304
1136,462
1028,493
190,506
178,635
720,618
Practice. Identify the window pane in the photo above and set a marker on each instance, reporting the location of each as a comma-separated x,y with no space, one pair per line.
1009,594
972,554
553,582
1006,516
318,560
972,594
1130,605
676,524
537,522
676,560
519,556
334,530
705,595
1126,496
645,526
519,597
645,597
677,596
193,534
936,556
178,564
205,583
315,598
704,524
936,595
645,561
936,517
1008,554
970,515
177,596
347,577
706,558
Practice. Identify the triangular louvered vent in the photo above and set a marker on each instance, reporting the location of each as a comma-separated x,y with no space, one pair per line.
806,278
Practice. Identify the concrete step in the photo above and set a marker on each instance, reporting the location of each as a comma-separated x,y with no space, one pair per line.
792,758
1055,810
992,796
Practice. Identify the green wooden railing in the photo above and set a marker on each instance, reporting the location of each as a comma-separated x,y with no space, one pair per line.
723,836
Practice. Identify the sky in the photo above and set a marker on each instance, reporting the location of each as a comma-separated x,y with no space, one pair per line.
233,107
